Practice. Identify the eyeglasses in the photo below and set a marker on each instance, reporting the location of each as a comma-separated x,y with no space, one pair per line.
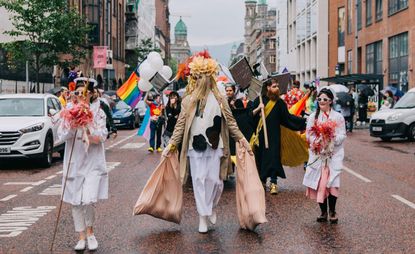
323,99
76,93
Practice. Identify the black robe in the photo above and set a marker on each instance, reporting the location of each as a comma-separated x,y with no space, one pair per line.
269,160
244,120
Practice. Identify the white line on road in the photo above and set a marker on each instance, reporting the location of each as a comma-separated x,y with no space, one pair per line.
59,172
133,145
26,189
406,202
364,179
8,197
26,183
50,177
119,142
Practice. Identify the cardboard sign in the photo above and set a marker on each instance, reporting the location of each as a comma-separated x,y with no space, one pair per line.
242,73
159,82
284,81
100,57
254,89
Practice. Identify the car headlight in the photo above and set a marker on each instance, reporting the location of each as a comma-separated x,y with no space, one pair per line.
394,117
127,114
33,128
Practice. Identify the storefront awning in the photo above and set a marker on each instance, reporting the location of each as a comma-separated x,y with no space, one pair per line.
351,79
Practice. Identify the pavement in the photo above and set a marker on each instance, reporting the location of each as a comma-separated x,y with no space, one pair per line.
376,208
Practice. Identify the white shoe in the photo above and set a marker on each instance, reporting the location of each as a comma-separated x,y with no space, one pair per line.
213,218
203,227
80,245
92,242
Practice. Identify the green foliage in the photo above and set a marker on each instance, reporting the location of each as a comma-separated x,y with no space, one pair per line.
45,31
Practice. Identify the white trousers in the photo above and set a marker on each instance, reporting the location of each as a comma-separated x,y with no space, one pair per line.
207,185
83,216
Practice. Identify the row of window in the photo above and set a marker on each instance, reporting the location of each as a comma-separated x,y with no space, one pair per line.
398,58
394,6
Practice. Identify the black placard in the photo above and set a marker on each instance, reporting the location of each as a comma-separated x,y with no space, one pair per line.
242,73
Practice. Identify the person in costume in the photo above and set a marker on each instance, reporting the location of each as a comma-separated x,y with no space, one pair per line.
203,129
87,181
322,176
156,122
293,95
276,113
173,109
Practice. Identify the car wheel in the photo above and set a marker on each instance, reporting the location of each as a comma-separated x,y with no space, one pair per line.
47,155
386,139
411,132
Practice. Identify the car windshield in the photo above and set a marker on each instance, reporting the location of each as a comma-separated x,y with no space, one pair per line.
121,105
21,107
407,101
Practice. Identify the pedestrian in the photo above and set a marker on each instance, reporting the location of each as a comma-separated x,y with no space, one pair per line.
202,130
322,177
276,114
156,121
111,128
87,179
64,97
389,98
347,112
362,100
173,109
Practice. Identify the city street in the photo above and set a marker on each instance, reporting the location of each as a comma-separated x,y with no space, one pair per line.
376,207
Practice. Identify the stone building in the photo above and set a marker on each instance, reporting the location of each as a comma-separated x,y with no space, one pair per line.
180,49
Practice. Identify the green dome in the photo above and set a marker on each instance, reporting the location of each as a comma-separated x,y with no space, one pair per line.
180,28
262,2
250,1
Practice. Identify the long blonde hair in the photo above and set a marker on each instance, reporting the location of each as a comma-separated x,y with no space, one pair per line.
199,92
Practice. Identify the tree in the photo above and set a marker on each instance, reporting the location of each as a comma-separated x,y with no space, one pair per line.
139,54
47,33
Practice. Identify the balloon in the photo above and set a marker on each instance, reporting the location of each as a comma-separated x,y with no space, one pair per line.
144,85
156,63
153,55
166,72
146,71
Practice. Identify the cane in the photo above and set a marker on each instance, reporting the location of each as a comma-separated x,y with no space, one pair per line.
63,193
264,123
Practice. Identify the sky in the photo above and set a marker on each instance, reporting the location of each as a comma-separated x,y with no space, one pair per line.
210,22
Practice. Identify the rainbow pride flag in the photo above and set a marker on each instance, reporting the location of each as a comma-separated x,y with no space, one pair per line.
298,107
129,91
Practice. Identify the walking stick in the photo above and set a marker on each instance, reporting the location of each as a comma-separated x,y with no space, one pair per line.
264,123
63,193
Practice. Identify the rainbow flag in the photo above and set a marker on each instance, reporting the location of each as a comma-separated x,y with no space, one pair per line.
299,106
144,130
129,91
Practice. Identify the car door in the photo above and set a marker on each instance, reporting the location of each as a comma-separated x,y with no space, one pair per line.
54,119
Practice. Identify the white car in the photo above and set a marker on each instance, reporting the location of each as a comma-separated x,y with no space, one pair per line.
142,108
28,127
396,122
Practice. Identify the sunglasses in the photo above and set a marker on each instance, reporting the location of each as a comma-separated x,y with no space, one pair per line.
323,99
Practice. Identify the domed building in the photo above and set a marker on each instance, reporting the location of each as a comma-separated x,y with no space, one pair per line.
180,50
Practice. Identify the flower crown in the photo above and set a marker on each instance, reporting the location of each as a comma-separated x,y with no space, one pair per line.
202,66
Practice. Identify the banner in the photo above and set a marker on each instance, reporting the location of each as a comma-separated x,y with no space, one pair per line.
100,57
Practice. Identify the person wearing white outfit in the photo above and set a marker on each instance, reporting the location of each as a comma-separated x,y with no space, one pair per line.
202,130
87,181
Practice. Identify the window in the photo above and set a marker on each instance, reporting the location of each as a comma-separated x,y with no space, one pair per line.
396,5
349,16
341,27
398,58
368,12
374,58
349,62
359,14
379,10
272,44
272,59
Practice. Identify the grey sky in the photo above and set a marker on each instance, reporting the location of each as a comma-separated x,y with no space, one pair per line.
211,22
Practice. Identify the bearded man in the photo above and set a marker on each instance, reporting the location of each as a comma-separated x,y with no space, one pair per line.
276,113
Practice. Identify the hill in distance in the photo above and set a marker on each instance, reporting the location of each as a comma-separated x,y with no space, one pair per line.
221,53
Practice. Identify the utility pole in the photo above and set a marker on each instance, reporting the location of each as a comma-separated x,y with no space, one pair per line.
356,37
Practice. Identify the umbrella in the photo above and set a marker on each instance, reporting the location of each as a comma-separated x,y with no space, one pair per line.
344,99
55,90
337,88
395,91
366,90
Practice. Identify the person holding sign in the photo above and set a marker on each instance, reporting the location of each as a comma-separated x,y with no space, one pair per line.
276,114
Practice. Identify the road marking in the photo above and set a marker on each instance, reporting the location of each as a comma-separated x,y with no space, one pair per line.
26,189
50,177
53,190
119,142
8,197
26,183
112,165
19,219
59,172
364,179
406,202
133,146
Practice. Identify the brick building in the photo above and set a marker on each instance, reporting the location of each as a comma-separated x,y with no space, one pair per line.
162,32
385,39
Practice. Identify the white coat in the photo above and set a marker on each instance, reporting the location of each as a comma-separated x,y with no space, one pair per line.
335,164
88,177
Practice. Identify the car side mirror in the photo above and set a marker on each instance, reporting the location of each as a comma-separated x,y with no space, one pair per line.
52,112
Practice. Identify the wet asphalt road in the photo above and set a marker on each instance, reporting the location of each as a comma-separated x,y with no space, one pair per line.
376,208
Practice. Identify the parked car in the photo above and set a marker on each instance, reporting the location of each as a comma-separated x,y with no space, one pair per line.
142,108
125,116
28,128
396,122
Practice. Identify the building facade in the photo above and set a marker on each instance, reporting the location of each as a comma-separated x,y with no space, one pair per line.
162,29
237,53
308,39
283,61
379,39
180,49
260,31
